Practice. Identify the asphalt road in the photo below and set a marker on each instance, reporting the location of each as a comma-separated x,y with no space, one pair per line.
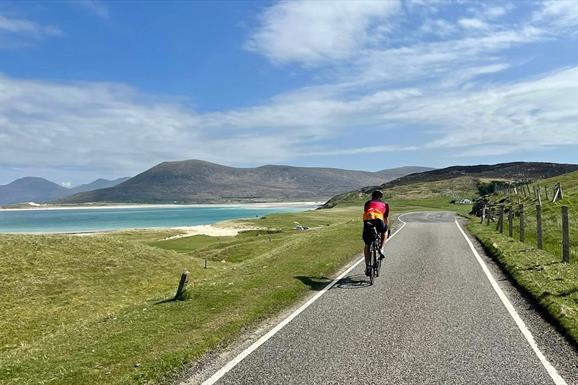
432,317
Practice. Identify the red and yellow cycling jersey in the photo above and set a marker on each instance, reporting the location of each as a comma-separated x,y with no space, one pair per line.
375,209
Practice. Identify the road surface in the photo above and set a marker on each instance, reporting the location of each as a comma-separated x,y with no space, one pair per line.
432,317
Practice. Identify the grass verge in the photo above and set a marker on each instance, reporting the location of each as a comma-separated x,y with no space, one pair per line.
550,282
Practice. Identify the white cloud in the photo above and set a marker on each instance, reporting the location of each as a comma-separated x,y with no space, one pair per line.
439,27
96,7
430,89
558,13
496,11
312,32
361,150
27,27
471,23
526,115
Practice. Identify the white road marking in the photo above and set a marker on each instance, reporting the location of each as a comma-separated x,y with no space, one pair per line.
558,380
241,356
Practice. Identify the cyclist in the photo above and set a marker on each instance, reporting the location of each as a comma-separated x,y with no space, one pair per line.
375,213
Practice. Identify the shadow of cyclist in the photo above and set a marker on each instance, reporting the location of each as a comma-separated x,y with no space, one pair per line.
358,281
315,283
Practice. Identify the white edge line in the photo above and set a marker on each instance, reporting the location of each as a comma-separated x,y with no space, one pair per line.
241,356
558,380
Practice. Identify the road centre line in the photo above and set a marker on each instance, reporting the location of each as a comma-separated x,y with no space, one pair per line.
558,380
241,356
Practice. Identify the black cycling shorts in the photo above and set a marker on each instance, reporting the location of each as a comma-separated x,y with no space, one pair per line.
367,235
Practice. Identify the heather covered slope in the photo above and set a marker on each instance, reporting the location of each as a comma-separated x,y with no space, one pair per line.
195,181
454,182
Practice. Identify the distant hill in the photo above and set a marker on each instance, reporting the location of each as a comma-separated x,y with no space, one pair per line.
40,190
196,181
511,171
454,181
97,184
31,189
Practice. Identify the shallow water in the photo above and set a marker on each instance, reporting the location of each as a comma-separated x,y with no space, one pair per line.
102,219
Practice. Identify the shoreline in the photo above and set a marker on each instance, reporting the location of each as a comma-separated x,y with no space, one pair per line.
223,227
311,204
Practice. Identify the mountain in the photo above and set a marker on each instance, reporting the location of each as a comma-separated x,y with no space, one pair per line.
40,190
510,171
31,189
97,184
455,181
196,181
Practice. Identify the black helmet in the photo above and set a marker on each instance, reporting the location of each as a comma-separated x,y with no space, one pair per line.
377,194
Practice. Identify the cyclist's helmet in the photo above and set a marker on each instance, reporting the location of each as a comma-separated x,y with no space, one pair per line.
377,194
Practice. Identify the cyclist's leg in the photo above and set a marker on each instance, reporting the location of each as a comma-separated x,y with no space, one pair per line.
367,256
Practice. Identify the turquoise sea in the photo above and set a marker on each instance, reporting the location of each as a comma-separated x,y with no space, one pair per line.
111,218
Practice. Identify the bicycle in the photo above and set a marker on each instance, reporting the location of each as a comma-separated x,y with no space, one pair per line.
374,255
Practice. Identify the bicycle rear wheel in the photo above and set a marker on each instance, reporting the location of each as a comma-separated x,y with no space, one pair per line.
373,260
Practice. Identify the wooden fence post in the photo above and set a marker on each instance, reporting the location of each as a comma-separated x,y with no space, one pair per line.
488,215
539,226
522,224
565,235
511,222
546,192
182,284
483,214
500,225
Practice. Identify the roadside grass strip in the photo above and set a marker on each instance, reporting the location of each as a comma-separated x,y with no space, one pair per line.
552,283
552,372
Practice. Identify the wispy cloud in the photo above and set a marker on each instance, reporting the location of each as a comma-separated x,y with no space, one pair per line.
558,13
310,32
96,7
439,86
27,27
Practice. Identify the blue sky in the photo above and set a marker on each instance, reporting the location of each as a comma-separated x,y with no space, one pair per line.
94,89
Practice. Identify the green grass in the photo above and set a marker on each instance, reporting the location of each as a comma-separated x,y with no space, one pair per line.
424,192
90,309
97,309
551,215
552,283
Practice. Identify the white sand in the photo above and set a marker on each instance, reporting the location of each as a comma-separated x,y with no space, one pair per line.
220,230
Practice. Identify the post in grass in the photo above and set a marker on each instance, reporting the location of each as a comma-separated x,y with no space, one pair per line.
500,225
180,295
522,224
565,235
539,226
511,222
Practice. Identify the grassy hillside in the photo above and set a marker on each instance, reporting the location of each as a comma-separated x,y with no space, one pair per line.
445,190
455,182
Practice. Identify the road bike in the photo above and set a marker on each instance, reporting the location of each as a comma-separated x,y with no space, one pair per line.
374,255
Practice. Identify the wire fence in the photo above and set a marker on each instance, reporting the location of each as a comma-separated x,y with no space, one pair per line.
537,215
